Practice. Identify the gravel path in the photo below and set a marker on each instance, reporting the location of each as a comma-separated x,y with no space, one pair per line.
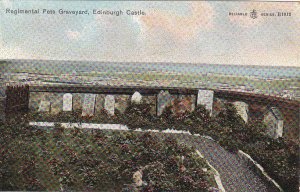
236,176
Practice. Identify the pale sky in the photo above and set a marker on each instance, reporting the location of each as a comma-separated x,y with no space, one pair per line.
179,32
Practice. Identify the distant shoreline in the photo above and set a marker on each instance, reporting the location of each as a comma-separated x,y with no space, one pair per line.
155,62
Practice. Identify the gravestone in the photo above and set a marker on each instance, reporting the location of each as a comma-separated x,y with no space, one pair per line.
164,99
67,102
109,104
44,106
45,102
77,101
122,102
136,98
151,100
56,100
88,106
183,103
99,106
273,119
242,110
35,100
205,97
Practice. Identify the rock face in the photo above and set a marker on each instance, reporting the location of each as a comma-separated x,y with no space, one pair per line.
88,107
164,99
242,110
136,98
109,104
206,97
67,102
137,178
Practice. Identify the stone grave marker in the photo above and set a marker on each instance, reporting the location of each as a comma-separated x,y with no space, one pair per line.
56,102
77,101
67,102
164,99
35,100
205,97
182,104
122,102
109,104
152,101
136,98
88,106
100,98
242,110
44,106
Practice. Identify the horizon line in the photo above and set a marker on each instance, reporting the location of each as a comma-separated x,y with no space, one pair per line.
154,62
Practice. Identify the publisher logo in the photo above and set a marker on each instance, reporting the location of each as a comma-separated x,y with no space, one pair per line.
253,14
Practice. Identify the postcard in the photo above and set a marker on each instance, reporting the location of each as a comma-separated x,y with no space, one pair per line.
149,95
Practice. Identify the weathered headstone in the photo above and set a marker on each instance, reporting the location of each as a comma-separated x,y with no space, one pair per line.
136,98
35,100
77,101
164,99
44,106
99,106
88,106
56,100
205,97
122,102
45,102
183,103
273,119
67,102
242,110
109,104
151,100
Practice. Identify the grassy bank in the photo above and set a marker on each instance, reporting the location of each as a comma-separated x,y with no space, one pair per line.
94,160
279,157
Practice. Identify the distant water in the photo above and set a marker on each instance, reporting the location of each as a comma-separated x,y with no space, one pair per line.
88,66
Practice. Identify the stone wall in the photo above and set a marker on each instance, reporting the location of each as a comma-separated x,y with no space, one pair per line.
2,109
180,102
54,102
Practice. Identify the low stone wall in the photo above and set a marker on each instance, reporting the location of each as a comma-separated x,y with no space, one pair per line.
259,170
2,109
53,102
180,101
